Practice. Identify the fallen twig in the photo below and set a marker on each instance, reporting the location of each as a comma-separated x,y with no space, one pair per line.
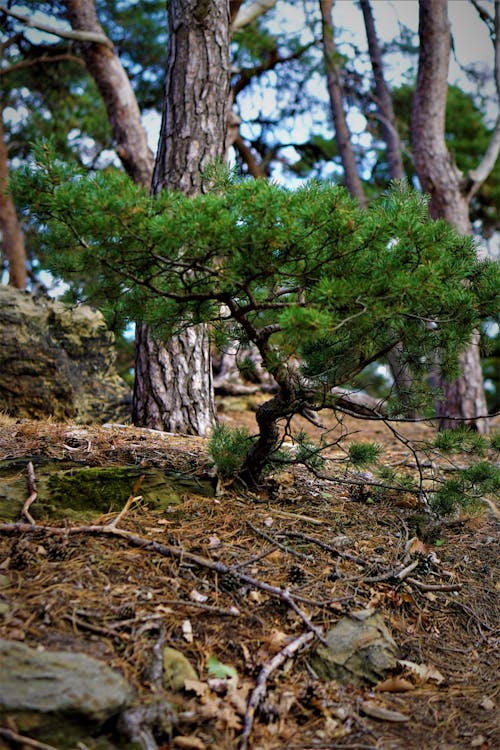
325,546
21,739
77,622
406,571
260,688
435,586
255,558
297,516
231,612
33,494
280,546
176,552
132,497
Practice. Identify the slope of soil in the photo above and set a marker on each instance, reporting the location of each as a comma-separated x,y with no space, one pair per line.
241,575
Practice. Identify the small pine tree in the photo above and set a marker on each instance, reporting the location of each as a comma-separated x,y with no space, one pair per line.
304,275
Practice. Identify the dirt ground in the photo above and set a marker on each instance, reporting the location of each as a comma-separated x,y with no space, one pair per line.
312,551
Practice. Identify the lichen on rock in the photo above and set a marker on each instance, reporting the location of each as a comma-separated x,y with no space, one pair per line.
58,361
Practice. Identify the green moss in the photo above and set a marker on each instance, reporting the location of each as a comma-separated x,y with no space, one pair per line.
82,493
107,489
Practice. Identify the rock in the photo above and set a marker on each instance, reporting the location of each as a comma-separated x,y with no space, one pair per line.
176,669
58,694
58,361
360,648
81,493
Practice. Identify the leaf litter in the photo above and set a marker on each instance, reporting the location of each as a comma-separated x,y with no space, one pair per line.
285,565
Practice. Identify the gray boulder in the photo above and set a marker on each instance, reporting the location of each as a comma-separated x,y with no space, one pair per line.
51,693
58,361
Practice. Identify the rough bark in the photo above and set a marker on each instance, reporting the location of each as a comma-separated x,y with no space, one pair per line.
117,93
12,234
192,137
342,135
195,113
173,383
463,401
170,392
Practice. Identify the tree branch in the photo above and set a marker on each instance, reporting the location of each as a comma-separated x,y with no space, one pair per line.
79,36
65,57
250,12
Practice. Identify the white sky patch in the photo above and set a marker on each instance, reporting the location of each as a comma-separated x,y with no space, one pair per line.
151,119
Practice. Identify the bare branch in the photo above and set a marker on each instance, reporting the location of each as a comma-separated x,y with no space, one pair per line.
79,36
250,12
44,59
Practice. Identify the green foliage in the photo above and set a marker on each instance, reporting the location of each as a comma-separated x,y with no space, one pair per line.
228,448
466,489
460,440
308,453
362,454
303,272
495,441
389,476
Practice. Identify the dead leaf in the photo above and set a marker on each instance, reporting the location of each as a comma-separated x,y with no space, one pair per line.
195,596
227,718
189,743
384,714
415,545
238,697
394,685
196,686
163,609
187,631
487,704
423,672
478,741
277,639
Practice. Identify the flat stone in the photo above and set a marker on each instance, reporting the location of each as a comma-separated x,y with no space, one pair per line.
58,683
360,649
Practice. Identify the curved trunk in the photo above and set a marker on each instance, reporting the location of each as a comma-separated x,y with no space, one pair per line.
463,400
118,95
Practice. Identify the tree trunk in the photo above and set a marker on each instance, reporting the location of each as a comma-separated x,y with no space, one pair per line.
388,130
463,400
173,383
196,103
12,235
192,137
342,135
118,95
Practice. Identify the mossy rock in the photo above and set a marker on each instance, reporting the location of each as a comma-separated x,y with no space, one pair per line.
82,493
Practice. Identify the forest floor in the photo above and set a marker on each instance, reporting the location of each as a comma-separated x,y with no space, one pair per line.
316,550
